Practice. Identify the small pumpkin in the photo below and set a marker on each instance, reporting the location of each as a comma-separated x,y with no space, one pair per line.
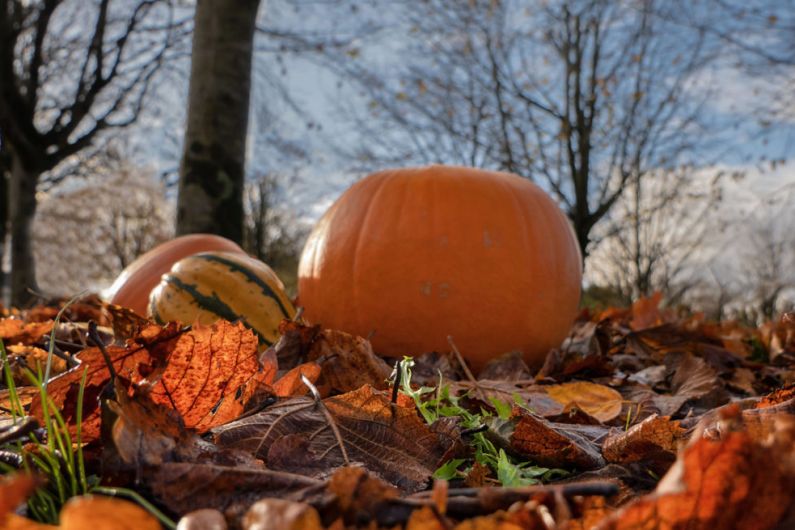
208,286
132,287
413,256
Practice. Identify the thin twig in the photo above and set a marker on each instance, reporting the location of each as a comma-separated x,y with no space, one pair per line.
467,372
93,335
329,418
396,383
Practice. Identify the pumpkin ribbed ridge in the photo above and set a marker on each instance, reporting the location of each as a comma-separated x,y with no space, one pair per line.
208,286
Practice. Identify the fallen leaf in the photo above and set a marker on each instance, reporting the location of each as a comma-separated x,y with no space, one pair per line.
698,382
508,367
124,322
646,313
386,438
15,331
533,396
346,361
654,441
15,489
201,374
183,487
22,358
424,519
553,445
281,514
358,494
723,484
105,513
599,401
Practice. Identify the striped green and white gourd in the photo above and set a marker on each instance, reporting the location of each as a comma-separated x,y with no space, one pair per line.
209,286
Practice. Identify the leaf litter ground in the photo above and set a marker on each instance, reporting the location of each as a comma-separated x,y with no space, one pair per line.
643,419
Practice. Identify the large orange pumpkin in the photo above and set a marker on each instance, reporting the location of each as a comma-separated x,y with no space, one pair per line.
131,289
414,255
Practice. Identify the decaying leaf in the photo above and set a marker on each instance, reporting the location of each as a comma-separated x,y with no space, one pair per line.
347,362
16,331
201,373
599,401
654,441
358,493
186,486
553,445
363,426
734,482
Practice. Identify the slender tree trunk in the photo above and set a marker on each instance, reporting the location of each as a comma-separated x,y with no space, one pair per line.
5,171
212,171
22,209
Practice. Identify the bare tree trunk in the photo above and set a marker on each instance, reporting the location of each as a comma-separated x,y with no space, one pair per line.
213,162
22,209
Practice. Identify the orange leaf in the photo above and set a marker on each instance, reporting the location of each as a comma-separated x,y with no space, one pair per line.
197,373
15,331
731,483
105,513
14,490
599,401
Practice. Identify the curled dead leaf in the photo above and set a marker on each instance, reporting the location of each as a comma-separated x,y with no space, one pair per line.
653,441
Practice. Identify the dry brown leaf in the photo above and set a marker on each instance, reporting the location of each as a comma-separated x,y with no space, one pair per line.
147,353
14,490
183,487
599,401
553,445
654,441
280,514
646,313
146,433
695,380
201,373
347,362
388,439
425,519
105,513
730,483
15,331
534,396
359,494
23,357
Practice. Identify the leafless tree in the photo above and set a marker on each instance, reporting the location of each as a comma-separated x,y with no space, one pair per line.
584,97
768,269
655,238
85,233
272,232
69,71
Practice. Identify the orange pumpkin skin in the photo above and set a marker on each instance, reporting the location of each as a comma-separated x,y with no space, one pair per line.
415,255
132,287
